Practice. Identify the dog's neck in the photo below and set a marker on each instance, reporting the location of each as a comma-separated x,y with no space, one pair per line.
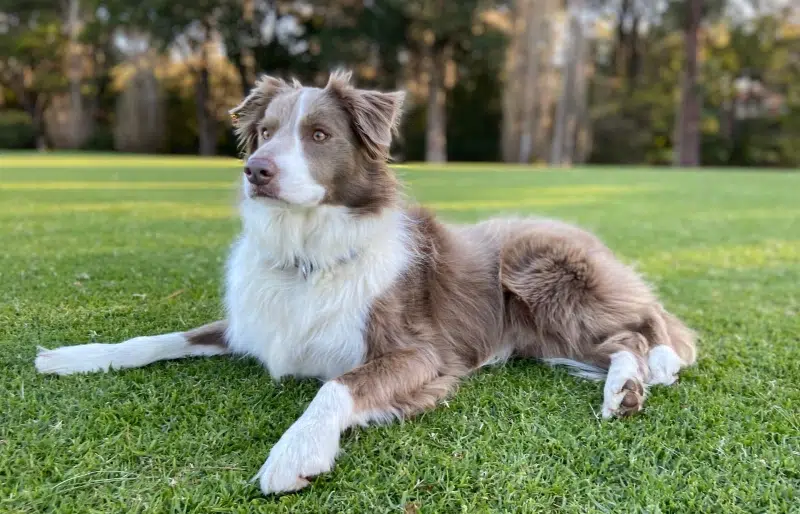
307,240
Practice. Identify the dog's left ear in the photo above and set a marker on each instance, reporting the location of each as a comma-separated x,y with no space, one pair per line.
375,115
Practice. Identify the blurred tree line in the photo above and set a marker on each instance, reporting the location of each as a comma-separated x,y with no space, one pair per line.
684,82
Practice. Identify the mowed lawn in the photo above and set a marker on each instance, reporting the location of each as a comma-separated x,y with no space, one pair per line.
106,248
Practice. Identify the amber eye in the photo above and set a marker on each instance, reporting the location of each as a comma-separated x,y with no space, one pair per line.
319,136
265,133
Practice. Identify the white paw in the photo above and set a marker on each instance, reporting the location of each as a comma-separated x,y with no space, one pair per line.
664,365
623,393
310,445
83,358
611,403
304,451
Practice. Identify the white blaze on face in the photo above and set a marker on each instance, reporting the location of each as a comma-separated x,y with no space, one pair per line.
296,184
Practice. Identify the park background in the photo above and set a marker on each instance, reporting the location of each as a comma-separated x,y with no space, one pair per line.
648,82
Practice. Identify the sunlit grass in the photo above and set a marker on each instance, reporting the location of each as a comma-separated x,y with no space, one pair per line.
151,210
767,254
39,161
111,186
103,248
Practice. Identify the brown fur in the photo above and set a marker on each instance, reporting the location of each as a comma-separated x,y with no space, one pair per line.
526,288
441,320
545,289
210,334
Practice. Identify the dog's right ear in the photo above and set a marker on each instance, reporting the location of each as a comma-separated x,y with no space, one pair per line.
246,115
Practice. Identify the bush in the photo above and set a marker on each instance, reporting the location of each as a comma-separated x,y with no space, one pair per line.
16,130
101,140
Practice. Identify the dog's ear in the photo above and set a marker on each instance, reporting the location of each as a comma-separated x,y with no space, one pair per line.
245,116
375,115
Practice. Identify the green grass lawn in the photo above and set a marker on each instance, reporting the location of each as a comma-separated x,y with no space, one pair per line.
107,248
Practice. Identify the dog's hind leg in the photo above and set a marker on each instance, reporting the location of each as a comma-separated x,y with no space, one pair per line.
673,347
206,340
572,302
627,378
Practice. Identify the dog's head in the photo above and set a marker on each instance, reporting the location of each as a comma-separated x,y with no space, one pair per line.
308,146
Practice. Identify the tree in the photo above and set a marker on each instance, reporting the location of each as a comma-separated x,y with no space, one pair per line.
527,99
432,35
273,35
437,33
570,100
689,15
187,27
32,47
687,142
74,68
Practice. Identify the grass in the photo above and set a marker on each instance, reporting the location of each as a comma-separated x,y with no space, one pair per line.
105,248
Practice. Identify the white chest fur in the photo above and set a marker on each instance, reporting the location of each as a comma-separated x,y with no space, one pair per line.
309,326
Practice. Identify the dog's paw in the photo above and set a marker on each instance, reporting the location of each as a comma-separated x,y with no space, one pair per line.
303,452
664,365
624,390
628,400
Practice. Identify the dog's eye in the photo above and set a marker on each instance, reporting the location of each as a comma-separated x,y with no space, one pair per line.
265,133
319,136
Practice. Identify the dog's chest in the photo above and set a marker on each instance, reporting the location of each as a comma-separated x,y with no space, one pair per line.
301,326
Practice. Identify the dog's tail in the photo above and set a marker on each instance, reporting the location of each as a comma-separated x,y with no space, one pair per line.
663,328
579,369
668,330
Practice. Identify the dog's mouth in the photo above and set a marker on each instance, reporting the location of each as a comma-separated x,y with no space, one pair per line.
265,191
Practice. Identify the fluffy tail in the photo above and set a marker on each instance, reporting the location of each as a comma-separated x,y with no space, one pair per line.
668,330
579,369
663,329
682,339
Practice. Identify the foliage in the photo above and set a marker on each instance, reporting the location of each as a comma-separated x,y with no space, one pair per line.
101,139
634,84
32,47
391,42
16,130
637,125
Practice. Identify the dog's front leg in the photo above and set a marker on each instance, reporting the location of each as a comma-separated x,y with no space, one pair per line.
392,385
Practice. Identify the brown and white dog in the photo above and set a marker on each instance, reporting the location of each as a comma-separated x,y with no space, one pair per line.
333,277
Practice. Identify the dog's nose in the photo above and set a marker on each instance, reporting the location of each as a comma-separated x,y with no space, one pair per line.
259,171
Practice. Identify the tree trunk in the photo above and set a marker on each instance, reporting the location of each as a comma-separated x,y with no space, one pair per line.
575,102
545,84
526,101
566,104
436,126
73,74
688,130
583,136
244,75
531,78
622,49
206,127
206,124
246,61
513,87
36,111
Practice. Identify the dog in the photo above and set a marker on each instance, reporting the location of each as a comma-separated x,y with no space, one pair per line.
335,277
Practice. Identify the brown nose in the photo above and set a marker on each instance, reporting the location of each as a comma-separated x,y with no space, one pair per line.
259,170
